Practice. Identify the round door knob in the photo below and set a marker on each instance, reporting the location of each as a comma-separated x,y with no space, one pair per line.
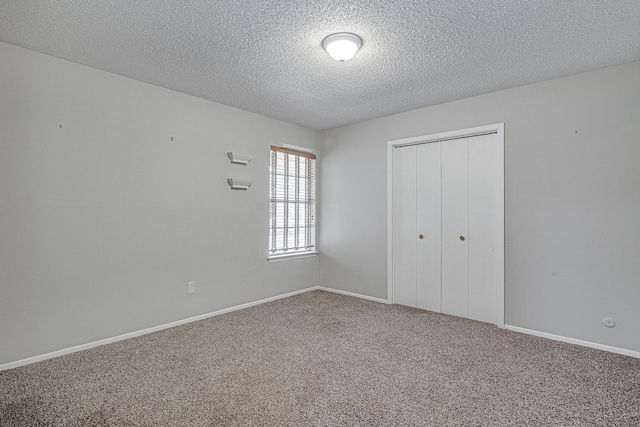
421,236
462,238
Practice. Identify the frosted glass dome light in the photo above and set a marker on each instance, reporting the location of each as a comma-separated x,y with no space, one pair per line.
342,46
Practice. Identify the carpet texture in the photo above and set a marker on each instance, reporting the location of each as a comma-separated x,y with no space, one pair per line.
321,359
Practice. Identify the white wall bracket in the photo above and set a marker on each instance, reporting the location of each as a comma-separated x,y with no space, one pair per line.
239,184
239,159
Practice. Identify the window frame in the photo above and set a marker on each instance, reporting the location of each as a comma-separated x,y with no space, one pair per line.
282,198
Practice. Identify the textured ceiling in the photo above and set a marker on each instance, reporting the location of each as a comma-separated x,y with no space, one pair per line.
265,56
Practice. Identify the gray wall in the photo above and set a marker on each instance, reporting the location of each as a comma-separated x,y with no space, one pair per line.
572,202
103,221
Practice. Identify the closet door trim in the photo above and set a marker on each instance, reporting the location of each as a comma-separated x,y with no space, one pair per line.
498,129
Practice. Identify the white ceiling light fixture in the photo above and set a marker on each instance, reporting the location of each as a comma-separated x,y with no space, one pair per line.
342,46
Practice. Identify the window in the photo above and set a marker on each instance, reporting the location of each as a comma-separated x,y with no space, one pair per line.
292,203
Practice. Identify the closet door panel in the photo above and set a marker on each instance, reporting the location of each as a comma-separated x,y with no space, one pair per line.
483,227
404,223
455,221
429,227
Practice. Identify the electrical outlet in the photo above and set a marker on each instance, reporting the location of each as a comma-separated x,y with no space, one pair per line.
191,288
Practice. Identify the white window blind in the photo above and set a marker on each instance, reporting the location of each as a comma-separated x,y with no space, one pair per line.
292,203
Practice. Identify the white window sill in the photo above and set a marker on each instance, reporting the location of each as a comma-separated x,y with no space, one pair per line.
287,257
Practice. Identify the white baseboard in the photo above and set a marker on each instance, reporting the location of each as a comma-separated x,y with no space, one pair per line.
134,334
351,294
589,344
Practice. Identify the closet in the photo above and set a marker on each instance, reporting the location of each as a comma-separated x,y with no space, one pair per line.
447,227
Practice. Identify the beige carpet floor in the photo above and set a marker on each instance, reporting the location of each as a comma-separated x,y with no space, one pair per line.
321,359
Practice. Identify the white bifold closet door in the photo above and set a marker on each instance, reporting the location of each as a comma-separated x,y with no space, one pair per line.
445,207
